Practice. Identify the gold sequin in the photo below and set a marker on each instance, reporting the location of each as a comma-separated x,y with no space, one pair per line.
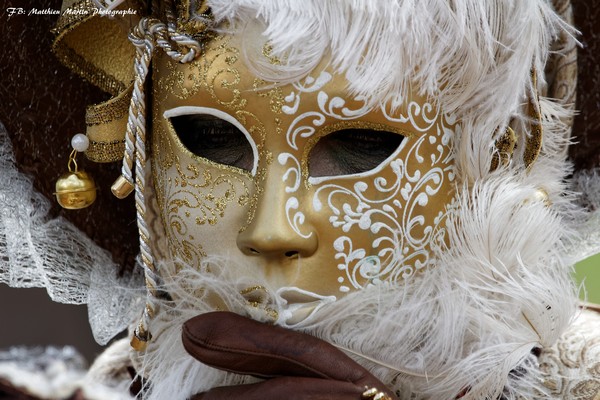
115,108
104,152
267,52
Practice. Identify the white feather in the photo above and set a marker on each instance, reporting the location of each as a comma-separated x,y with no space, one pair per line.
473,58
469,54
498,290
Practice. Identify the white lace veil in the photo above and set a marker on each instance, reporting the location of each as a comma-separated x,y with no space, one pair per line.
39,251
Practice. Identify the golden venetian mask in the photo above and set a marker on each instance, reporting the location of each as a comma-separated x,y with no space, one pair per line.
301,181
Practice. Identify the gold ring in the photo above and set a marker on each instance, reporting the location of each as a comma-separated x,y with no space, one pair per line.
374,394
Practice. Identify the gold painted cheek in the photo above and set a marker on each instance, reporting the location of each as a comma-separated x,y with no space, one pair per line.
384,226
202,203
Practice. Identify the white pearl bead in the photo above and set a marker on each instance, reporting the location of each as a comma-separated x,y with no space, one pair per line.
80,142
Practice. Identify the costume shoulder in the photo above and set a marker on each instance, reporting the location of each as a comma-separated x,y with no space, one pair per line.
572,366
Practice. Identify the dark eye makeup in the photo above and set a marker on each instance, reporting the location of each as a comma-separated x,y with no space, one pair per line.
351,151
344,152
214,139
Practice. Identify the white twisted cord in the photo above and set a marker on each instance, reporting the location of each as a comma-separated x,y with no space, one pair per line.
145,34
138,89
165,37
136,148
126,168
144,37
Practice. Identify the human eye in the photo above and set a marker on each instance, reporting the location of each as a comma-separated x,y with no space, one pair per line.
351,151
215,139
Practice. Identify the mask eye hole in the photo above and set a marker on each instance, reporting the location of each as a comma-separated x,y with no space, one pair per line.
351,151
214,139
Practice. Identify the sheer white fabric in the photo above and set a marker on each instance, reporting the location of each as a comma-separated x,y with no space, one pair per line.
39,251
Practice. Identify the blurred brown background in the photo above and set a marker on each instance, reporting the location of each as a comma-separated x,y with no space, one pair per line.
29,318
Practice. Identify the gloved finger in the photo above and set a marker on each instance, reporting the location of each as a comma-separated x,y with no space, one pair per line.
289,388
234,343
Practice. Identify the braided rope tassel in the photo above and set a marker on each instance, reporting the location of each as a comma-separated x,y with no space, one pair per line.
143,39
148,33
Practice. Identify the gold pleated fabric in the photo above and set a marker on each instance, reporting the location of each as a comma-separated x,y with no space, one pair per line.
96,47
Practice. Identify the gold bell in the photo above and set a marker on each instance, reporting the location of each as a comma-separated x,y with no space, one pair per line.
140,339
76,189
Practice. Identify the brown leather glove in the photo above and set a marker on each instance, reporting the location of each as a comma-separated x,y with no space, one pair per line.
294,365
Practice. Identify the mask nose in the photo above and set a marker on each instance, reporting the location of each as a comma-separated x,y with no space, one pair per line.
271,234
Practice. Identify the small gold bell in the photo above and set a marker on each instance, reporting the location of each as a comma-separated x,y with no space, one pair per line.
140,339
76,189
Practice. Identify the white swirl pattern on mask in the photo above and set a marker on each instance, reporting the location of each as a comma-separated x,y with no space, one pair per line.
401,249
292,202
